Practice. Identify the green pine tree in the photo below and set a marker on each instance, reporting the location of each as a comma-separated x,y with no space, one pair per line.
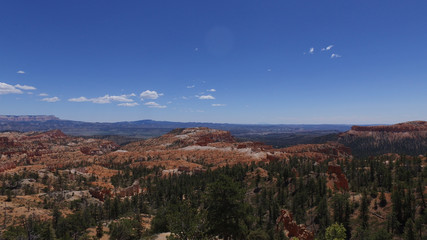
335,232
225,208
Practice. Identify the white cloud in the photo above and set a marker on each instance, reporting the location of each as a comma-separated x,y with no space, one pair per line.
20,72
105,99
52,99
8,89
328,48
43,94
269,70
80,99
132,104
196,49
206,97
154,105
311,51
333,55
211,90
191,86
25,87
121,98
218,105
184,97
150,95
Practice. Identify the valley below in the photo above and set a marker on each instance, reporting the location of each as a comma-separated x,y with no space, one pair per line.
211,181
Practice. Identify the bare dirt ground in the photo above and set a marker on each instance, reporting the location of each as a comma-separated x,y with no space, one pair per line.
162,236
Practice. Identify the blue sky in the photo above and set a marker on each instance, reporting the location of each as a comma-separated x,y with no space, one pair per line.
352,62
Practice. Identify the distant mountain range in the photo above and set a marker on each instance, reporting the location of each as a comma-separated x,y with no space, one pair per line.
408,138
150,128
27,118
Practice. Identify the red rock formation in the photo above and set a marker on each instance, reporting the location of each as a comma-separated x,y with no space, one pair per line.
319,152
220,136
53,134
259,146
184,169
51,148
271,157
100,194
7,166
6,143
180,138
292,228
217,148
414,126
409,138
129,191
338,177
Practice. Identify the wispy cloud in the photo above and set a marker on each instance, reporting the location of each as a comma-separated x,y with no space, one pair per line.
191,86
10,89
154,105
132,104
218,105
211,90
52,99
25,87
20,72
328,48
43,94
206,97
120,98
333,55
105,99
79,99
147,94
